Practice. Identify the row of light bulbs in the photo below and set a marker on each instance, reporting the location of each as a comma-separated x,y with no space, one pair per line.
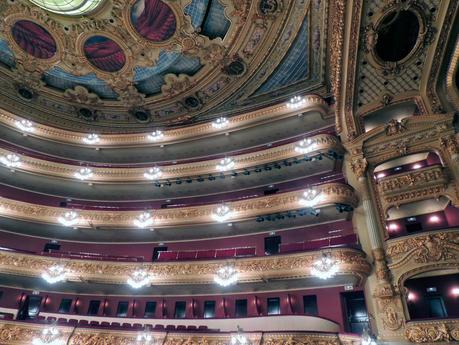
27,126
324,268
310,198
12,161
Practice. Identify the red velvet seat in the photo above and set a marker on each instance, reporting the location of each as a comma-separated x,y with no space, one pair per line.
170,328
105,324
187,255
247,251
167,256
137,326
94,323
61,321
72,322
192,328
115,324
181,328
225,253
206,254
51,319
126,325
157,327
83,323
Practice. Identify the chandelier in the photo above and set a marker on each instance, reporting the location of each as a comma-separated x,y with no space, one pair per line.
225,164
84,174
305,146
367,338
143,220
54,274
69,218
226,276
310,198
11,160
49,336
325,267
220,123
296,102
145,338
156,135
139,279
222,213
153,173
239,338
91,139
25,125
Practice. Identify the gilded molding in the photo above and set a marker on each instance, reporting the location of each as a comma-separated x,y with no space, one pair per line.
16,333
432,331
291,266
254,118
322,143
332,193
453,70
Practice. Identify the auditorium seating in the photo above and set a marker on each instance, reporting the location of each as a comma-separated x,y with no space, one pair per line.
207,254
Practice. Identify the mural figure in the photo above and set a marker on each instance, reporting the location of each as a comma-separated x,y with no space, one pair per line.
104,53
34,39
153,20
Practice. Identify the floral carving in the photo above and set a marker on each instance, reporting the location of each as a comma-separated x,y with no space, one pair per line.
432,332
81,95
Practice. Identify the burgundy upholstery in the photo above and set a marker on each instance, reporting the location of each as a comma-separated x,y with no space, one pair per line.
225,253
247,251
206,254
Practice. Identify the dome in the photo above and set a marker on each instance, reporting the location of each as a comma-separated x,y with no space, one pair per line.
68,7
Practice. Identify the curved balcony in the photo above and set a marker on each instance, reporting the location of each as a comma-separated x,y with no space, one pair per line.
189,276
16,333
328,194
432,331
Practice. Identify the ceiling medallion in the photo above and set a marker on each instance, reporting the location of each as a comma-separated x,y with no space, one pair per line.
325,267
34,39
226,276
153,20
69,7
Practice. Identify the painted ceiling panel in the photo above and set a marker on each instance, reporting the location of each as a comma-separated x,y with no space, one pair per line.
215,24
6,55
197,11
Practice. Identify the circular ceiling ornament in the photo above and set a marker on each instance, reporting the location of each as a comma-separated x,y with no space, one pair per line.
153,19
104,53
34,39
69,7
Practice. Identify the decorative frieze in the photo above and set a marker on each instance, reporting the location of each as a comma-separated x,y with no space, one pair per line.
432,331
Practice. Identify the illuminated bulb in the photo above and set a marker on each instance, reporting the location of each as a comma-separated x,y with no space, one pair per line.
325,267
455,291
156,135
226,276
11,160
296,102
393,226
222,213
144,338
153,173
25,126
411,297
84,174
434,219
54,274
310,198
143,220
305,146
69,218
225,164
49,336
139,279
220,123
417,166
91,139
239,338
381,175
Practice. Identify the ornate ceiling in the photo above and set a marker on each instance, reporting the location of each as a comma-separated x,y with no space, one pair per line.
117,69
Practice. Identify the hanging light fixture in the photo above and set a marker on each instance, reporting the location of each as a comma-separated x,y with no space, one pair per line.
310,198
156,135
49,336
153,173
305,146
69,218
139,278
83,174
143,220
325,267
220,122
145,338
239,338
222,213
54,274
296,102
225,164
11,160
91,139
367,338
226,276
25,126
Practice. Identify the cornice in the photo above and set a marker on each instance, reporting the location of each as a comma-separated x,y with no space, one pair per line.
323,143
239,122
16,333
291,266
331,193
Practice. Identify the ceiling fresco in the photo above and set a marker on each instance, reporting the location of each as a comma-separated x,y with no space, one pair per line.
130,65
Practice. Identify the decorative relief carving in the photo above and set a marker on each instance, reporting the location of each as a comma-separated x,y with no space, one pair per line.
432,331
198,272
81,95
395,127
